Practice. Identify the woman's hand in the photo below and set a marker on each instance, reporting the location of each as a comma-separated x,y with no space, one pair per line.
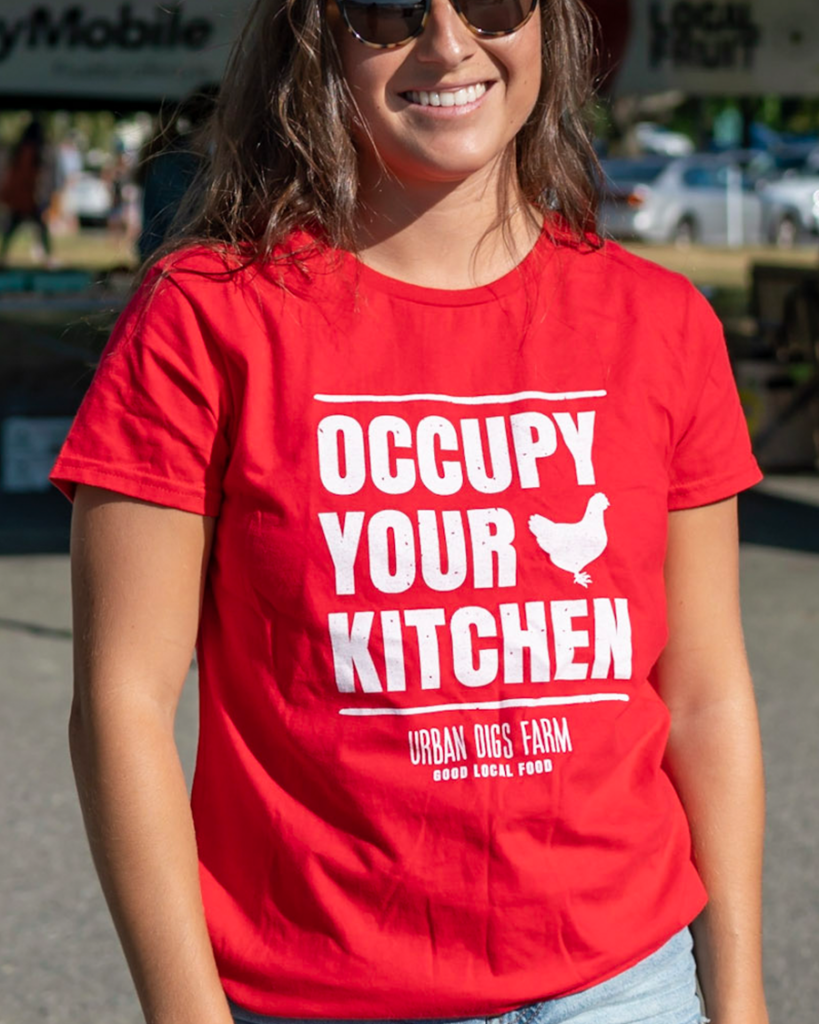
138,575
714,755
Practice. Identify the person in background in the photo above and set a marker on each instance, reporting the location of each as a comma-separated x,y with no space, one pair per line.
118,174
69,168
27,188
442,487
168,165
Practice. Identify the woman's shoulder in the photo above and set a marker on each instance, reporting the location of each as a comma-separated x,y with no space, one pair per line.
197,262
216,268
626,270
227,296
642,311
615,284
602,261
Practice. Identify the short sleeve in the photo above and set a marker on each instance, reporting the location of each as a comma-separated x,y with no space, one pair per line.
712,457
153,424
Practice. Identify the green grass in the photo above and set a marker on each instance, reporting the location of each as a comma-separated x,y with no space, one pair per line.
723,268
88,250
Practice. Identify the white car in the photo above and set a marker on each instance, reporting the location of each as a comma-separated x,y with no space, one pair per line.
790,209
654,138
703,198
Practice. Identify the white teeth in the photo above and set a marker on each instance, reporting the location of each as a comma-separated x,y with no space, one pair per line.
450,98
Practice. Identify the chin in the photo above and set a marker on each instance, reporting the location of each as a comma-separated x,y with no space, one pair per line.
448,167
452,173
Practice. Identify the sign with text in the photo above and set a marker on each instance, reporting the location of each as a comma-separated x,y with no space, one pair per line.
28,448
714,47
140,50
146,50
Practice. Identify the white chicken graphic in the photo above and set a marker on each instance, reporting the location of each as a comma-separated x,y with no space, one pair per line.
572,546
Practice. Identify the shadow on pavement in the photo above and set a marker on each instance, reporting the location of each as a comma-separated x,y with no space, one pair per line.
33,629
777,522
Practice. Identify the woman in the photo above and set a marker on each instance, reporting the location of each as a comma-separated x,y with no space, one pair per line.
23,186
444,489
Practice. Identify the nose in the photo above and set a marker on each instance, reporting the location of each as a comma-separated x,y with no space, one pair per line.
445,39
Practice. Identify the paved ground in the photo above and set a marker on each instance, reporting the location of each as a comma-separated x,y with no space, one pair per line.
59,959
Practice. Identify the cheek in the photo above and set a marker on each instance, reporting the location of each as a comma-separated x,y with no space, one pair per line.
529,61
367,90
364,69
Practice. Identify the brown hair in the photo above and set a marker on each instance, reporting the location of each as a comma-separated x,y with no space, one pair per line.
281,154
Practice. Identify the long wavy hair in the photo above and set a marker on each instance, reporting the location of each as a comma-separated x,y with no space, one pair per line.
279,154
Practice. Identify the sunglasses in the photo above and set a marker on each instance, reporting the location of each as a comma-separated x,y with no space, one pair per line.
385,24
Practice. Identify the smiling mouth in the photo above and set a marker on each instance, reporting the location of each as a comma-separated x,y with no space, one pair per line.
446,97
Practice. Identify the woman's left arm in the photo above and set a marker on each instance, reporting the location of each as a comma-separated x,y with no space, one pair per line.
714,755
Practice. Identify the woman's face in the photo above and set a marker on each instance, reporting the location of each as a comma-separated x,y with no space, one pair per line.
396,94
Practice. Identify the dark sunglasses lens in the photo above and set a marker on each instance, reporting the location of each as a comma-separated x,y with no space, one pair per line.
384,21
499,16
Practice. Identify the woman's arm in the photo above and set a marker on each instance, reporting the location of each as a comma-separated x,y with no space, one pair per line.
138,574
714,755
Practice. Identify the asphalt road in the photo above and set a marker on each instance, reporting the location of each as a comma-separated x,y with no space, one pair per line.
59,958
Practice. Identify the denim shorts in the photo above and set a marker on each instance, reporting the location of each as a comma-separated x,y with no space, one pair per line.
660,989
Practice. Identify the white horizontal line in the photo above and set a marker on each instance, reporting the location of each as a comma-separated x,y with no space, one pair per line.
491,705
517,396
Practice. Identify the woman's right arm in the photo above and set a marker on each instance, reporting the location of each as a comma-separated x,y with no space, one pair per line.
138,573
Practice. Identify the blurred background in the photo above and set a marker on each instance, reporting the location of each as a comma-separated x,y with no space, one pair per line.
707,125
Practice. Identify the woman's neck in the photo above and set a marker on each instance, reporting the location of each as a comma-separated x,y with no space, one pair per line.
443,234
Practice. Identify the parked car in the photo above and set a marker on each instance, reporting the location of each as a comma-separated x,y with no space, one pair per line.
89,199
795,158
790,209
767,165
655,138
703,198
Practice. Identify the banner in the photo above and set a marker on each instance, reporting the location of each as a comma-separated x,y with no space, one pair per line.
141,50
708,47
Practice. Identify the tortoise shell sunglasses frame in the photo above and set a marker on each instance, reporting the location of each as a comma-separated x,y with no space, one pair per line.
356,13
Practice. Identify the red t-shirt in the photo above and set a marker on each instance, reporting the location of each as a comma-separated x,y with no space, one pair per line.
429,780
